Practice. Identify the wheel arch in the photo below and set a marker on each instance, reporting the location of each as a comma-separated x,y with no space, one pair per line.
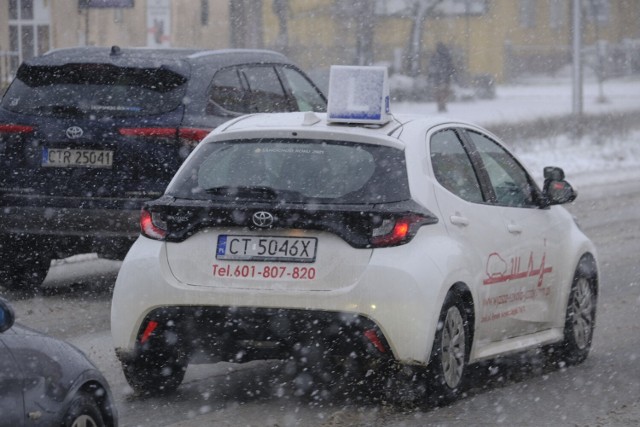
463,292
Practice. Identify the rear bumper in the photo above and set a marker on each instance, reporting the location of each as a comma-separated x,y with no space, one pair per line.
72,225
241,334
401,309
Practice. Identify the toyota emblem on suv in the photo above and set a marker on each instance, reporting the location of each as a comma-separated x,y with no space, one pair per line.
74,132
262,219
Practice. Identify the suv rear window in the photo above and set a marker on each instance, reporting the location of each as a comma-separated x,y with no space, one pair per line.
294,171
97,89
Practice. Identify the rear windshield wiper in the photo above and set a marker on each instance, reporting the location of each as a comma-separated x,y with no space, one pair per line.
60,110
257,192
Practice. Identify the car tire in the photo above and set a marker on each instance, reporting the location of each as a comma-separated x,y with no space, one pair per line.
24,271
580,316
157,374
447,367
83,412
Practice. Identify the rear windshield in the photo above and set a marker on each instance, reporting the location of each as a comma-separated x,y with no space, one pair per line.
94,89
294,171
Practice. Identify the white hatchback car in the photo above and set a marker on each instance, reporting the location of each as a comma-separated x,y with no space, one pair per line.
414,241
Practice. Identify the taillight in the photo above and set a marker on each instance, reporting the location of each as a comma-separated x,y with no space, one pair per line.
399,230
152,225
11,128
149,132
192,136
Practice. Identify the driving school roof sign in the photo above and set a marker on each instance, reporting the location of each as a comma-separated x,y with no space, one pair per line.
358,95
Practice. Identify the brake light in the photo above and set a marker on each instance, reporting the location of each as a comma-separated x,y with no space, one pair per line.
152,225
151,326
399,230
192,136
12,128
149,132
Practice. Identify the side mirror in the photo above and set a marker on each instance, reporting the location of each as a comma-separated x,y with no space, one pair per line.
7,316
556,190
554,173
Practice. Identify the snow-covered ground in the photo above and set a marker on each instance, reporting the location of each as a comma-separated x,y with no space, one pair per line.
591,159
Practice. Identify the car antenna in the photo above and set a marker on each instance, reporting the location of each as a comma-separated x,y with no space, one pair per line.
115,50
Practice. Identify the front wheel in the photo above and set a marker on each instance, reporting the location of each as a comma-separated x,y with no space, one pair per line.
580,318
83,412
450,353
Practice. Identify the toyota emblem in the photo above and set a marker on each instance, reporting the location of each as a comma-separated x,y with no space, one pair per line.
74,132
262,219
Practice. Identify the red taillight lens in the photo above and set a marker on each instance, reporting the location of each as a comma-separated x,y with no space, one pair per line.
11,128
151,326
149,132
152,226
192,136
399,230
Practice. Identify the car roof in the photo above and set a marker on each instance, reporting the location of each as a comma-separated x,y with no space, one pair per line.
315,126
154,57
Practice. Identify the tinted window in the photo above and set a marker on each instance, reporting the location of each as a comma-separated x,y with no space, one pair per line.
305,94
249,89
452,166
295,171
96,89
228,91
511,183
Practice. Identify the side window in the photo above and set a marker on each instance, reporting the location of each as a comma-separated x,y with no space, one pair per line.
452,166
228,91
266,94
248,89
306,95
511,183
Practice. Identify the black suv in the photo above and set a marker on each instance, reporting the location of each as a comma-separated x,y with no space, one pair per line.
88,134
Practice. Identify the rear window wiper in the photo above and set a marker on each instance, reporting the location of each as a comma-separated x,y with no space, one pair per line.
255,192
60,110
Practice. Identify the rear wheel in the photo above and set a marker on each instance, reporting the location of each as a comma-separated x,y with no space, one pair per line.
22,266
450,353
158,373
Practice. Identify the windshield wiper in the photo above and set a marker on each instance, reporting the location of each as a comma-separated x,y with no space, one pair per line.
60,110
257,192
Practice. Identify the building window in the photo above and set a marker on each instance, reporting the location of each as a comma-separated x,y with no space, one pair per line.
527,13
29,30
557,13
599,11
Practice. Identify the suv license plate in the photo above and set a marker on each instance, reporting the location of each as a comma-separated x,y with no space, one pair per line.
66,157
266,248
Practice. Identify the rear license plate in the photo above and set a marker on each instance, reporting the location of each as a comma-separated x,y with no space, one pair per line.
266,248
71,157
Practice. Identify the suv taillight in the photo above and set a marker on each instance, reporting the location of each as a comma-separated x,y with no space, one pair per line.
152,225
399,230
11,128
192,136
149,132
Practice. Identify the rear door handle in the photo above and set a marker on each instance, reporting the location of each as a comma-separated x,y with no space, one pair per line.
514,229
459,220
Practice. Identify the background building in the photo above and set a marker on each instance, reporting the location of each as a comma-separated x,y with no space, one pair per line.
500,39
